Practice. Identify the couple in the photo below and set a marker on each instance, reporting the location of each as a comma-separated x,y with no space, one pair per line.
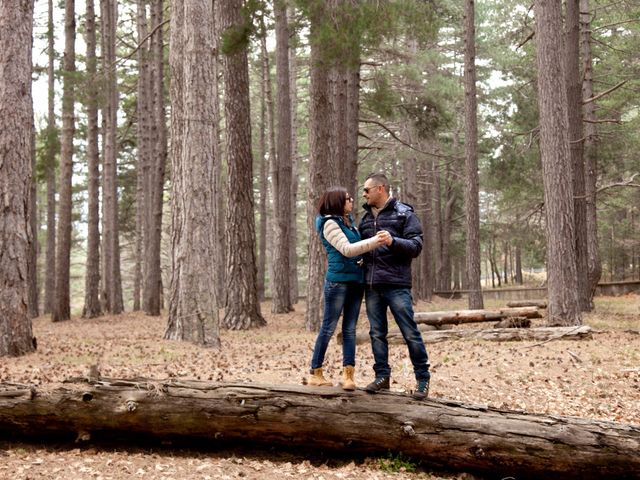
375,262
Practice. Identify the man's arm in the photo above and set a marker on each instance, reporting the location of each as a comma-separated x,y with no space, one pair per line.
410,244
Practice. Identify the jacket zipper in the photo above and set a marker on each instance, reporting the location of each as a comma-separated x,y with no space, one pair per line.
373,260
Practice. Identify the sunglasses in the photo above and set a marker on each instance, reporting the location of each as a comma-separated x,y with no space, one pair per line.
366,189
349,198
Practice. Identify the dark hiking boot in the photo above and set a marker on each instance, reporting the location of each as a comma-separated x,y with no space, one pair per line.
422,390
380,383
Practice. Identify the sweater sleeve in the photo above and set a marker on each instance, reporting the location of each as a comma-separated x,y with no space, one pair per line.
336,237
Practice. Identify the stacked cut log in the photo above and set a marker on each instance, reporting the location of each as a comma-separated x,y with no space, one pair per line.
528,303
473,316
438,432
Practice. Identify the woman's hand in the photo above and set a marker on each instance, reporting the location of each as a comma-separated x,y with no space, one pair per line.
384,238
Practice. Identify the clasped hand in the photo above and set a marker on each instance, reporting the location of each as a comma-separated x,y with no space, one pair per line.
384,238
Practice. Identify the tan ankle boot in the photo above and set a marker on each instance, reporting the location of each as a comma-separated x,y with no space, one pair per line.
317,379
348,382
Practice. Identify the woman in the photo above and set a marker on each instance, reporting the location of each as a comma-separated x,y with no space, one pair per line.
344,282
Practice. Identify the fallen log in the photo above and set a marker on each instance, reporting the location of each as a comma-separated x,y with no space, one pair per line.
472,316
528,303
547,334
440,433
431,335
513,322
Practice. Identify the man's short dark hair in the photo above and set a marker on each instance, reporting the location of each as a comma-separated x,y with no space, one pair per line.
380,179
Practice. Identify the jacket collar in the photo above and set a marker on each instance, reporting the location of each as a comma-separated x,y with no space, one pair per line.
391,203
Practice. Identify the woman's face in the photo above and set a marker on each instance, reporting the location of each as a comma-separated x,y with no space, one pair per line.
348,204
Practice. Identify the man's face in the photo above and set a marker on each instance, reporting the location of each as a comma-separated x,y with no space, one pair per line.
374,193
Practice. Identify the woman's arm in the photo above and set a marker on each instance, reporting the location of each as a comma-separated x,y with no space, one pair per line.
336,237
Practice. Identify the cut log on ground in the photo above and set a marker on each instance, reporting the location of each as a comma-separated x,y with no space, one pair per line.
438,432
363,337
472,316
528,303
513,333
546,334
513,322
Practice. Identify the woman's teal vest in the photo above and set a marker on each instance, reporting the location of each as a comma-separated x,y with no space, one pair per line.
341,268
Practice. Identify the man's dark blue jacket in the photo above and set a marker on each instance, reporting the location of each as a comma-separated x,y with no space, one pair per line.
391,265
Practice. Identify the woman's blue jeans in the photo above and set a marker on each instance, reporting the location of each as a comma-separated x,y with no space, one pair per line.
345,298
399,301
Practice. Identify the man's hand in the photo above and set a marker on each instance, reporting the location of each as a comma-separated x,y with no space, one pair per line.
385,237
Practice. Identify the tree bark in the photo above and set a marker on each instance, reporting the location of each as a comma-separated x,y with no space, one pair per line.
556,167
441,433
152,292
242,309
16,141
92,307
62,304
319,156
144,150
263,175
282,179
193,306
573,79
112,283
52,149
471,159
293,260
594,263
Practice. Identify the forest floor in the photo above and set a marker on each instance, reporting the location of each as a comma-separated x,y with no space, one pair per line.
597,378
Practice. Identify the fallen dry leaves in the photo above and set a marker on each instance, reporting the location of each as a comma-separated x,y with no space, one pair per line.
597,378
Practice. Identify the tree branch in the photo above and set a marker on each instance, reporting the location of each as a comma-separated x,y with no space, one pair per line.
149,35
602,94
380,124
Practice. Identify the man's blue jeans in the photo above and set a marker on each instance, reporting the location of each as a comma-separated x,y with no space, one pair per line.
398,300
345,298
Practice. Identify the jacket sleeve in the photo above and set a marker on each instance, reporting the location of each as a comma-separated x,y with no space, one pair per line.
410,244
336,237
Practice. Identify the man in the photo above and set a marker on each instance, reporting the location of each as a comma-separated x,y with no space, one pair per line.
388,281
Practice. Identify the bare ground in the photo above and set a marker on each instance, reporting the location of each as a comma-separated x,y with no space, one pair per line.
597,378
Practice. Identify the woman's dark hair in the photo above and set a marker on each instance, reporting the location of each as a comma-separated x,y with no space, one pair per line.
332,201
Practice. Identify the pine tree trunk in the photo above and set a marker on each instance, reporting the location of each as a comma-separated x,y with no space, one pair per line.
32,269
283,175
152,303
219,181
52,135
594,263
242,309
471,159
271,158
353,119
143,182
319,153
16,141
437,222
92,306
426,259
519,279
263,179
556,167
573,79
62,304
193,306
111,244
293,259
